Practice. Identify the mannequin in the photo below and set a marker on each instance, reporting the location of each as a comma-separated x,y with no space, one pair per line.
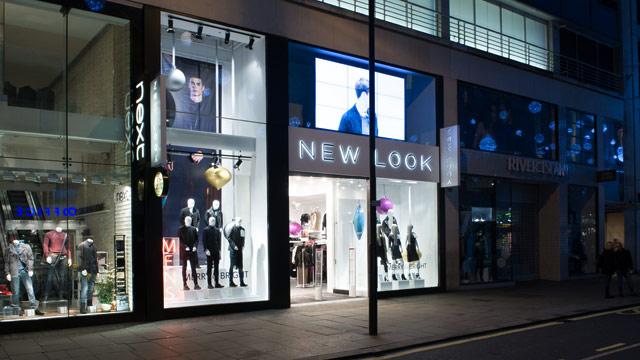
390,228
192,212
236,244
216,212
188,252
19,268
316,219
57,253
212,247
413,253
381,244
88,270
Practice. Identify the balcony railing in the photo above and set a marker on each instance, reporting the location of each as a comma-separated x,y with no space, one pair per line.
429,21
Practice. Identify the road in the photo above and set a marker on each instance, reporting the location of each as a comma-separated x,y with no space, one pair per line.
610,335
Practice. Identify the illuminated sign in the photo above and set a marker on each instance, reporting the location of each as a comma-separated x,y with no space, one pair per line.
157,119
450,156
138,127
535,166
325,152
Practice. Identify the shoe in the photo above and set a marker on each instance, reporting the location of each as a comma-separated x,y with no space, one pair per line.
403,277
243,284
185,287
386,278
210,287
416,276
218,286
38,312
394,278
197,287
232,284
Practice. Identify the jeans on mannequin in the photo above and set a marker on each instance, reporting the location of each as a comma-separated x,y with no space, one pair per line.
192,258
86,288
58,274
23,277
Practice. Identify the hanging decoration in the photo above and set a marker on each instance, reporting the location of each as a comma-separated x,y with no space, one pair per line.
294,228
217,176
358,221
385,205
176,78
95,5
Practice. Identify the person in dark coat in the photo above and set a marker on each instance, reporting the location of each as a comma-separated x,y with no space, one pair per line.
212,247
624,266
188,252
607,265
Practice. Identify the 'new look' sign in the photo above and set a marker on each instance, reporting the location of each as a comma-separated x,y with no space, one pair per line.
332,153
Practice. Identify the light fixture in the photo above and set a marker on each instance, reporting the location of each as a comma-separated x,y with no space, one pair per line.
198,35
215,162
55,179
227,36
237,164
8,176
250,44
170,28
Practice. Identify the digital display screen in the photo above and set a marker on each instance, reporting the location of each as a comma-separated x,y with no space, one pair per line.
342,100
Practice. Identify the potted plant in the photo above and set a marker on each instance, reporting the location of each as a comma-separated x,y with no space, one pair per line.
106,288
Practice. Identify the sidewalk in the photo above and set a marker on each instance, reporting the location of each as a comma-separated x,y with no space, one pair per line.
319,331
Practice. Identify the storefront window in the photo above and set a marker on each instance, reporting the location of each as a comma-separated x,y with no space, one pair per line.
215,214
582,234
495,121
581,138
65,224
486,236
328,116
612,131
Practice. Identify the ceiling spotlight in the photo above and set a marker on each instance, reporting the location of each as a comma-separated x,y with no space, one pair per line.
250,44
227,36
170,28
237,164
198,35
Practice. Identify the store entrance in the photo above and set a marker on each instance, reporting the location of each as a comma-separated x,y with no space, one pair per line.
327,238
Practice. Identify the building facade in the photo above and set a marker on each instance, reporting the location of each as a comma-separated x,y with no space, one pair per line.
163,159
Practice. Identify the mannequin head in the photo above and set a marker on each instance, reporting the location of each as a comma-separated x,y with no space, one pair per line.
238,221
188,220
16,241
191,203
409,229
215,205
90,240
212,221
58,229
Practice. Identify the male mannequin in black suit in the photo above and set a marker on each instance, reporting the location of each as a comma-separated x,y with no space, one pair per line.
212,247
189,252
236,245
192,212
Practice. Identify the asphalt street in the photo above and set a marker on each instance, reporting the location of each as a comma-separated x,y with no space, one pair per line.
609,335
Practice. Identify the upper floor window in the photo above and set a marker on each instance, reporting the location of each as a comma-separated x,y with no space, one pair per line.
581,138
492,28
496,121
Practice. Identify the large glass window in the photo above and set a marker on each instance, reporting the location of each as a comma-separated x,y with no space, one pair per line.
581,138
490,27
583,231
65,223
215,214
612,131
495,121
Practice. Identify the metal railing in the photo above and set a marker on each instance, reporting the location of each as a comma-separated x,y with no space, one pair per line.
407,14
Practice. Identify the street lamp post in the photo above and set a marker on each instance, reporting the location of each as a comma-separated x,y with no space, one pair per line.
371,236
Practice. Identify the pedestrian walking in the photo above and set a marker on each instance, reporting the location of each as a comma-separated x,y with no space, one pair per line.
606,264
624,267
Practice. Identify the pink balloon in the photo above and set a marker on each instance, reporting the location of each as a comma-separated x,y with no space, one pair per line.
385,205
294,228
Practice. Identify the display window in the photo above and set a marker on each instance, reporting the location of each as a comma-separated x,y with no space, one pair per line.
583,230
329,164
214,218
65,194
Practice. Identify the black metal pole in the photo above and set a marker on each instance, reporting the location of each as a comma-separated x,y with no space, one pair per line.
371,238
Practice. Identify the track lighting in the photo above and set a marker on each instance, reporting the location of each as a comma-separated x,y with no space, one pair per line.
198,35
227,36
250,44
215,162
170,28
237,164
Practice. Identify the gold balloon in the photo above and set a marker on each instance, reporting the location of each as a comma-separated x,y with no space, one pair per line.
217,177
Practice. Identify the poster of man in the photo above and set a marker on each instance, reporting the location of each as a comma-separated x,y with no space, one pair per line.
194,106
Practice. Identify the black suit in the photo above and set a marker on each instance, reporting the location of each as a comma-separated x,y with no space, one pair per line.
188,239
211,240
236,240
195,216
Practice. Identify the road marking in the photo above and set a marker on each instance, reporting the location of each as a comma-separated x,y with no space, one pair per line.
464,341
591,316
612,352
610,347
